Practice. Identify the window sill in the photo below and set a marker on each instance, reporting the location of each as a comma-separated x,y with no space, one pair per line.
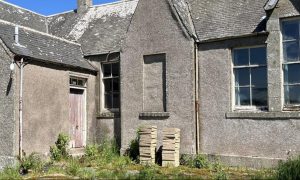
154,115
108,115
263,115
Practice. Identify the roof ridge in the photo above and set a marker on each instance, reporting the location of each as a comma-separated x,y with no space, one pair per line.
112,3
19,7
94,6
36,31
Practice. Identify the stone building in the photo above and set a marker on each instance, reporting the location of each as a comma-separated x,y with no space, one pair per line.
225,72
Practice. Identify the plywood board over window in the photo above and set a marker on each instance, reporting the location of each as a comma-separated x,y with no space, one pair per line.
154,79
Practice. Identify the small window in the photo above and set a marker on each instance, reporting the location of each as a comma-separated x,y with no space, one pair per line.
250,74
291,61
78,82
111,85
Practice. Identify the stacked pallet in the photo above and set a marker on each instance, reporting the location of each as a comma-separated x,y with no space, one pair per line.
171,146
147,144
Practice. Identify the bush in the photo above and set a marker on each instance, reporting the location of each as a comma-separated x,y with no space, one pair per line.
92,151
60,149
289,170
31,162
133,151
199,161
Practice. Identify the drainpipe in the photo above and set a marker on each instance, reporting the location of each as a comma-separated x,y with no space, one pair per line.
21,110
197,99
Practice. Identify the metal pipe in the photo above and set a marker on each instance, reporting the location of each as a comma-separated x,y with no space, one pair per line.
21,110
197,98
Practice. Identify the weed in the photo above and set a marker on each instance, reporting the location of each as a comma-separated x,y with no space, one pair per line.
10,173
92,151
73,167
289,170
31,162
60,150
133,151
199,161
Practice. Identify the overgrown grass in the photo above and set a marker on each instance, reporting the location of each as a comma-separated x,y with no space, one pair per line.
10,173
289,170
105,162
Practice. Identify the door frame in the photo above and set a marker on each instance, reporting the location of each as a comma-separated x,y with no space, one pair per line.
84,118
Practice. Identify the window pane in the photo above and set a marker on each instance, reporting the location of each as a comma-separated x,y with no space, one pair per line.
258,55
291,73
108,101
107,85
292,94
241,57
106,70
259,77
116,85
290,30
242,96
115,69
291,51
259,96
242,77
116,99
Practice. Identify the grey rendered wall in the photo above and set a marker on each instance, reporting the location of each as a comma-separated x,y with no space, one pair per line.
7,125
241,139
46,106
154,30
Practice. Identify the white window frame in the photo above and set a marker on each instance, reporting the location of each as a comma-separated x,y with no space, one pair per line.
297,106
233,93
102,88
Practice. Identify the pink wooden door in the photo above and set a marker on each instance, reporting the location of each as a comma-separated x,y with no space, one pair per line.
76,117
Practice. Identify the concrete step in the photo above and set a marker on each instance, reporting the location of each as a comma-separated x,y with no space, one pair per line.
75,152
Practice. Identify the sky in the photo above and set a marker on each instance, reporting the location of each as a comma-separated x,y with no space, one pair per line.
49,7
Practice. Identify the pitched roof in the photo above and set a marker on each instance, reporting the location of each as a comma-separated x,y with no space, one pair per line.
43,47
23,17
100,30
215,19
183,11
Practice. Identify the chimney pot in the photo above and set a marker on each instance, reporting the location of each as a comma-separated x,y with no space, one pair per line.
83,5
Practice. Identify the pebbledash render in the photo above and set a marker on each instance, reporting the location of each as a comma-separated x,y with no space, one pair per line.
225,72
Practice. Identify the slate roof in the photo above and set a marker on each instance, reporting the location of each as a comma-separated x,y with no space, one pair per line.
215,19
100,30
183,10
43,47
21,16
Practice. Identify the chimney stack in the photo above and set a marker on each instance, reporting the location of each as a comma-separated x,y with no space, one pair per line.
83,5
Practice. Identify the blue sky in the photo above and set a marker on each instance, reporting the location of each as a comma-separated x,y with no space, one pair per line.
48,7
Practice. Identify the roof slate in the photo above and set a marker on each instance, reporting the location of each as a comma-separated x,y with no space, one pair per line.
100,30
43,47
216,19
23,17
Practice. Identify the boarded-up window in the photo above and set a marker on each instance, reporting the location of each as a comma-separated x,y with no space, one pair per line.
155,83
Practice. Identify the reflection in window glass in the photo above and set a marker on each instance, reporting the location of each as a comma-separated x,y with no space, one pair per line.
251,77
291,62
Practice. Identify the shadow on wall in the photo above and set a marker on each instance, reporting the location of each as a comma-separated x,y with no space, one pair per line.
8,88
296,4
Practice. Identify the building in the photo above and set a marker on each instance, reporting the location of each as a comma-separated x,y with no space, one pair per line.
225,72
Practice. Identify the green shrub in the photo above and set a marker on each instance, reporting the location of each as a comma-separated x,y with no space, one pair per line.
133,151
289,170
10,173
199,161
31,162
60,149
92,151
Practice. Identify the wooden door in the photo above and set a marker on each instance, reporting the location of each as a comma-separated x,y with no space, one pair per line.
76,117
